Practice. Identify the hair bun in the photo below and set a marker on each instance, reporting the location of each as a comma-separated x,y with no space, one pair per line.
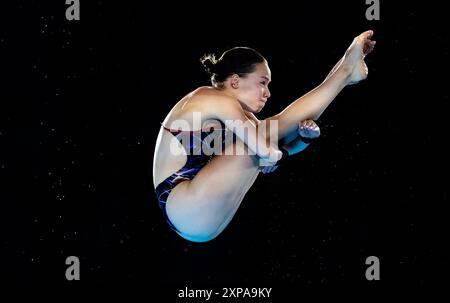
209,63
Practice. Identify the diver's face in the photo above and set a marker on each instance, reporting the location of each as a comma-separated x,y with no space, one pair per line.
253,89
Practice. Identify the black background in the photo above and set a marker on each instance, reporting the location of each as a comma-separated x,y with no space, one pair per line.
81,107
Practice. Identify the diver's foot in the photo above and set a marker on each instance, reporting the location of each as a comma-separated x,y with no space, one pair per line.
361,46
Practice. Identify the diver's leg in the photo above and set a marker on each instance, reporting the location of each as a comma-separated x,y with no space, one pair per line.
201,208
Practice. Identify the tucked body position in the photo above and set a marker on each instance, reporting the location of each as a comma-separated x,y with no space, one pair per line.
211,147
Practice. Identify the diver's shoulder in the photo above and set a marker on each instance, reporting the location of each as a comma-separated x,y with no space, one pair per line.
210,96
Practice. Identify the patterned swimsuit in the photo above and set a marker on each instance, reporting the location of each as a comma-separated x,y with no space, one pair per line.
199,146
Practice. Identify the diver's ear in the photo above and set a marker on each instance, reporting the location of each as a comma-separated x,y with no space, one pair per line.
234,81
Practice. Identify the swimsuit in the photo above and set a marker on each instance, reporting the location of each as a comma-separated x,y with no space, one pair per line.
199,146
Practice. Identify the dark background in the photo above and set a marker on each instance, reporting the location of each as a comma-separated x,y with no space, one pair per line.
81,106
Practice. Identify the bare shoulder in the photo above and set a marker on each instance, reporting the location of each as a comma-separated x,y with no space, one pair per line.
213,101
210,103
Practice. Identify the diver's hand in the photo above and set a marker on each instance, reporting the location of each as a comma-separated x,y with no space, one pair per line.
308,129
274,156
268,169
361,46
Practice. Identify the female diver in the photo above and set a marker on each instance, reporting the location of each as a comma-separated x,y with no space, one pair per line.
199,183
